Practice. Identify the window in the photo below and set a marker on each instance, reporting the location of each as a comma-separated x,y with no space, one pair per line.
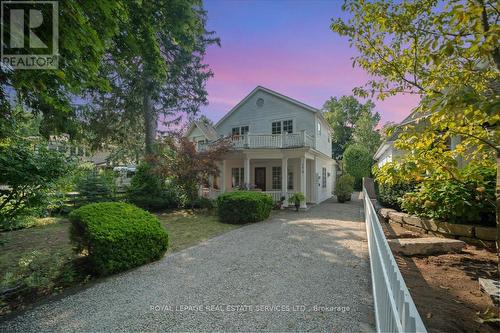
319,128
276,127
238,176
288,126
323,178
276,178
241,130
290,180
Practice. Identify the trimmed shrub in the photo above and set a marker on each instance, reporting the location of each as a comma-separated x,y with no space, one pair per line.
117,236
390,196
202,203
344,187
244,206
148,190
470,201
358,162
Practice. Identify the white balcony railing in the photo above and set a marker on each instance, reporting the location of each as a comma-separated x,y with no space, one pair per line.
394,307
286,140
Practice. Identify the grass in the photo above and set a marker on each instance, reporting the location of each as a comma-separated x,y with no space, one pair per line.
42,257
187,228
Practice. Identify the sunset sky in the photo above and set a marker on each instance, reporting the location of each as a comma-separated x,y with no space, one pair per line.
286,46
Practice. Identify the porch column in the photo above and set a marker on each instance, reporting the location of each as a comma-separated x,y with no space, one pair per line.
246,171
223,177
303,179
284,180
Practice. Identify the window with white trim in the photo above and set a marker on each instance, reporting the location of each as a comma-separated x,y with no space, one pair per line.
276,180
319,128
276,127
237,176
323,178
288,126
290,180
282,126
240,130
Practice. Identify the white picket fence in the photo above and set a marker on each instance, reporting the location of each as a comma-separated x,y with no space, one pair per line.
394,307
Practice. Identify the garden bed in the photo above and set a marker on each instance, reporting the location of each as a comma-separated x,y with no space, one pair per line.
52,265
445,287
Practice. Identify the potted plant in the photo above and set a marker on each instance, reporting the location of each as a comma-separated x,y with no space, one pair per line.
344,187
296,198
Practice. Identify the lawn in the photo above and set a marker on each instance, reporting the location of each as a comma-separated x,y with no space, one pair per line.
41,257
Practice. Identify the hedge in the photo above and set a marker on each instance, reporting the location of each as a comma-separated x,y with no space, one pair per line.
117,236
244,206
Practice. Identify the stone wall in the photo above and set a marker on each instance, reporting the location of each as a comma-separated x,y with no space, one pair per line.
472,234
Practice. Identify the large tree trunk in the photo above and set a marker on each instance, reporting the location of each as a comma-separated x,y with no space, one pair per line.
150,121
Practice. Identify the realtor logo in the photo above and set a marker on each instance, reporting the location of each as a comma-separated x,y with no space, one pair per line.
29,34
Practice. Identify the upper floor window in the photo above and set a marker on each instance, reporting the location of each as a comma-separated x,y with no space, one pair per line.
319,128
240,130
285,126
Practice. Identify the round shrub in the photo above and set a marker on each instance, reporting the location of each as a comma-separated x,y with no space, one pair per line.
244,206
390,196
117,236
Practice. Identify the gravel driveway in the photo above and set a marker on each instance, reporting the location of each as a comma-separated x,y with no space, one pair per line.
306,271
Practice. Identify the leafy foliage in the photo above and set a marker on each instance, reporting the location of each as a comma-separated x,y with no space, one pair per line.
297,197
148,190
470,200
390,196
188,167
94,187
27,171
243,207
117,236
357,162
345,115
344,187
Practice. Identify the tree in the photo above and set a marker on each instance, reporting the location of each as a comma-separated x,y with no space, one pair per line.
357,162
365,134
156,70
188,167
449,54
85,29
342,114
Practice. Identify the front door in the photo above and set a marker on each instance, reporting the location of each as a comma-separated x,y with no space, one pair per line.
260,178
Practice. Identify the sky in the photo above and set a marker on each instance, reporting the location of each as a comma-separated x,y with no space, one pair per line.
286,46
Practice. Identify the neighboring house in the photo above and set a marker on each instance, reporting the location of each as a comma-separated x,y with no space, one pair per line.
386,152
280,146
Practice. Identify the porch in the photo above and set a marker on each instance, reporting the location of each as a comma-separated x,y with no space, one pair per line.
277,174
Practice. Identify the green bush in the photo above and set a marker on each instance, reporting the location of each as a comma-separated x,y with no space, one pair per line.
94,187
471,201
149,191
117,236
244,206
357,162
202,203
344,187
390,196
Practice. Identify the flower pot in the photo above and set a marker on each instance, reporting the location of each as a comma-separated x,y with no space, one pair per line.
297,205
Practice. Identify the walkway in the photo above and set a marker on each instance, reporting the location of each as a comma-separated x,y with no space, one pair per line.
306,271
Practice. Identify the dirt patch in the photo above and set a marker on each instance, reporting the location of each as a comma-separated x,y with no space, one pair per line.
445,288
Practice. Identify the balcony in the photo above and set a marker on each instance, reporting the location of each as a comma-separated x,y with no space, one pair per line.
286,140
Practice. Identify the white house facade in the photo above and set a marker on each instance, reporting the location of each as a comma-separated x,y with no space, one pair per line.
279,146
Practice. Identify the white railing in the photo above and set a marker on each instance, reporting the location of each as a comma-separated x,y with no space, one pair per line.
277,195
286,140
394,307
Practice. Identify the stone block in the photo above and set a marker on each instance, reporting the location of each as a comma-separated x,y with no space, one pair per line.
396,216
492,288
425,246
455,229
486,233
384,212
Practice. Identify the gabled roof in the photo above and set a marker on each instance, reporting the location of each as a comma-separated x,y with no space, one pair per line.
271,92
207,129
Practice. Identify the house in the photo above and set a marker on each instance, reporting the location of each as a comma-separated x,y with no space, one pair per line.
279,146
387,152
